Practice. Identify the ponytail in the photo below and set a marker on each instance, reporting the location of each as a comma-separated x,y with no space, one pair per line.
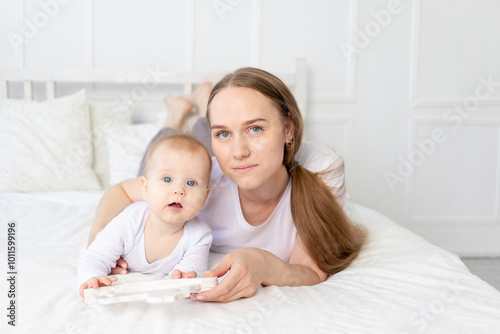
326,231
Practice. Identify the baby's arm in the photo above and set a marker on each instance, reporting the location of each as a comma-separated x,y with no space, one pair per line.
98,259
96,282
194,262
176,274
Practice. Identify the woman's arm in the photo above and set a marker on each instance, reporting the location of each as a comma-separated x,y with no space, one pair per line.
251,267
301,268
114,200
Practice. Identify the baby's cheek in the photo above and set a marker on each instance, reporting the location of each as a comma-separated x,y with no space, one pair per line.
201,199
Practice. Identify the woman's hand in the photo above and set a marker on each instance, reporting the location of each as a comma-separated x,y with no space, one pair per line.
248,269
253,267
121,267
96,282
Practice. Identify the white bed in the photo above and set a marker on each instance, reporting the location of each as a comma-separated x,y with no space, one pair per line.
399,284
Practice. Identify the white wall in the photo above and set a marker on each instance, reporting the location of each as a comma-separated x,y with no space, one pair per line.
400,88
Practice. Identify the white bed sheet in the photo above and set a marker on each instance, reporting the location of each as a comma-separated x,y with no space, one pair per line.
399,284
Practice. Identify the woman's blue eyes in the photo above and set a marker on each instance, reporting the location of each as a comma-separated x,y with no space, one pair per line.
189,183
255,129
225,134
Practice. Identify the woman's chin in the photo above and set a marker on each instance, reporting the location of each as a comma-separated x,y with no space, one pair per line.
247,184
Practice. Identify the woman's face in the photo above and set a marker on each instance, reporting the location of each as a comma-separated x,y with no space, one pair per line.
248,137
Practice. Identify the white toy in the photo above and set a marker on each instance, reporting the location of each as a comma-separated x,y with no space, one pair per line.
157,291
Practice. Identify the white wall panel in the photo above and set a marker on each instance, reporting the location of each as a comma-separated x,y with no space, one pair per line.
223,35
55,34
380,129
473,240
315,30
11,29
132,35
454,45
456,173
334,131
151,37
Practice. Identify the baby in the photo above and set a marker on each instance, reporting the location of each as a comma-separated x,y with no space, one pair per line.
163,234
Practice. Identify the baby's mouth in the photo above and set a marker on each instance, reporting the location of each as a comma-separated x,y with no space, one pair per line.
175,205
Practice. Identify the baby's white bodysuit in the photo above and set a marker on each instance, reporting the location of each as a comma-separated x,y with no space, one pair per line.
124,236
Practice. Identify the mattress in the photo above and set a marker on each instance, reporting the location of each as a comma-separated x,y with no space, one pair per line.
400,283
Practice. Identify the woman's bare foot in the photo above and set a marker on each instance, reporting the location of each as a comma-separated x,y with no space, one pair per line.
199,98
178,108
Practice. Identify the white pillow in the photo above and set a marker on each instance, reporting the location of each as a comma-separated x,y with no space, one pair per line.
46,146
126,145
105,117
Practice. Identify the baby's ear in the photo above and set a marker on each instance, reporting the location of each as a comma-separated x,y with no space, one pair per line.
206,196
144,184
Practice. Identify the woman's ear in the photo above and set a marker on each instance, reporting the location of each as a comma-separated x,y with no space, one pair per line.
289,128
144,184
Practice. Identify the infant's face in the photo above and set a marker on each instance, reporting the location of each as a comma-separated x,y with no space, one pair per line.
177,183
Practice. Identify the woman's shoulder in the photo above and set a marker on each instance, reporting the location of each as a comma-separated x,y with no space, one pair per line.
317,157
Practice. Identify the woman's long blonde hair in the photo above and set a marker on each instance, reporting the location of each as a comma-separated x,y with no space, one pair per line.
328,235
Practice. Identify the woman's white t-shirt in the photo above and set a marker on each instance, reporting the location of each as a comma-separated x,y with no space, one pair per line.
277,234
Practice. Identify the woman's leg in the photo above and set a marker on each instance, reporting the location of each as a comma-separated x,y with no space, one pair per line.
178,108
201,129
162,133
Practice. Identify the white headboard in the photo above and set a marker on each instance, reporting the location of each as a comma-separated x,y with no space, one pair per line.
296,79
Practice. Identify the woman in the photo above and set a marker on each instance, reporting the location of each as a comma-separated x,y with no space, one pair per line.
278,222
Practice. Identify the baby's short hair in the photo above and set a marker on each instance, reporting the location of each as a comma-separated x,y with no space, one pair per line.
179,141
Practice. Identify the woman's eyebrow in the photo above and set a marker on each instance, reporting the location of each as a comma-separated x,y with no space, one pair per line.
246,123
254,121
215,126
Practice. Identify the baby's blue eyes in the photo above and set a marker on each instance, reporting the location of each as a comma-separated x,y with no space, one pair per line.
168,180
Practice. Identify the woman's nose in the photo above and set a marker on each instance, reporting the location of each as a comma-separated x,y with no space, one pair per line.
240,148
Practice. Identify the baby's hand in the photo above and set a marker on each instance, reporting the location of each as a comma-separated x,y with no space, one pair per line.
96,282
179,274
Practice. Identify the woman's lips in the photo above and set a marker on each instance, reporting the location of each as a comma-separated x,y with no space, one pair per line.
244,168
